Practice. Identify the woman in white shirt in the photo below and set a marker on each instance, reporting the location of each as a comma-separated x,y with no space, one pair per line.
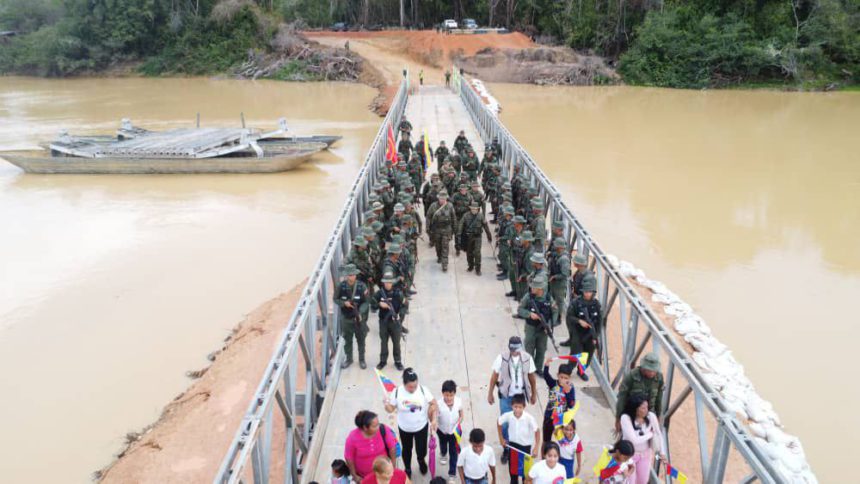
415,407
549,469
642,429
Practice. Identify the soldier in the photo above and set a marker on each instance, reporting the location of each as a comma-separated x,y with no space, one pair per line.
394,223
419,150
537,267
514,239
386,197
497,147
559,274
503,243
460,201
456,162
396,266
374,251
415,169
647,381
469,231
405,126
476,194
584,320
353,299
460,142
540,314
522,260
471,165
449,177
430,190
557,230
538,225
392,307
581,263
359,257
441,152
441,225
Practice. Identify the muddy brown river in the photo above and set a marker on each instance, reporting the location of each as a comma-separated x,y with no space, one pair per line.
744,203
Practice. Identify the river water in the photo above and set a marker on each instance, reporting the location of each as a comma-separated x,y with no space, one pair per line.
111,287
746,204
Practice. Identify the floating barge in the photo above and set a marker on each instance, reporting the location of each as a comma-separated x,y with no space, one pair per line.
192,150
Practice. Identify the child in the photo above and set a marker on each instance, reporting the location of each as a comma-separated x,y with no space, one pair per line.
449,414
570,446
339,472
622,452
549,470
562,396
476,459
523,436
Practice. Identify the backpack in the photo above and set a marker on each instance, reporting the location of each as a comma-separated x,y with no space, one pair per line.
398,450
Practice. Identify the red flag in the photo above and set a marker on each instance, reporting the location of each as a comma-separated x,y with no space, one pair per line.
390,147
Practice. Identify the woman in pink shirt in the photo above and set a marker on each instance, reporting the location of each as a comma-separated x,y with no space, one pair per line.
366,442
642,429
384,472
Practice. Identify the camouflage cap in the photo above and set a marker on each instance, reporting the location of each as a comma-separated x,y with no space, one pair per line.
372,198
398,207
538,282
589,283
442,143
367,231
537,258
384,183
651,361
389,278
434,176
580,260
559,243
557,224
519,219
360,242
462,186
508,210
376,187
406,199
350,270
474,204
537,205
533,190
370,215
476,183
394,248
397,238
527,236
443,194
377,226
377,206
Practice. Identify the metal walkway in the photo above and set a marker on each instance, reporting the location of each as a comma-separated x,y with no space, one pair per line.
304,405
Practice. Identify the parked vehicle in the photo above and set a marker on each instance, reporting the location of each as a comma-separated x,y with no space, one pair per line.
339,27
470,24
449,24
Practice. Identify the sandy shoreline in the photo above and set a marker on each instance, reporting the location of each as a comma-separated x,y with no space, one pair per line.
189,439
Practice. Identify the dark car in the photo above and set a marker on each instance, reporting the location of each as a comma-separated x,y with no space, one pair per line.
339,27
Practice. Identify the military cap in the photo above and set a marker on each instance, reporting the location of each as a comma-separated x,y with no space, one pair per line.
538,258
589,283
650,362
350,270
406,199
372,198
559,242
538,282
580,260
368,232
557,224
474,204
407,185
476,183
399,207
370,214
519,219
533,190
408,220
394,248
377,206
508,210
360,242
389,277
434,176
397,238
537,205
507,196
377,226
527,236
384,183
462,186
441,143
443,194
376,187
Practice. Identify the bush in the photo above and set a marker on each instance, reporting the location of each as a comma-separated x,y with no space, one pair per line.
680,48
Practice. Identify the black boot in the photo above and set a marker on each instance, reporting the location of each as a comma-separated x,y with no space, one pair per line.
381,365
478,271
362,364
346,363
511,294
565,343
469,269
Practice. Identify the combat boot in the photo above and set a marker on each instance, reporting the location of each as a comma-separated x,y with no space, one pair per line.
346,363
469,269
478,271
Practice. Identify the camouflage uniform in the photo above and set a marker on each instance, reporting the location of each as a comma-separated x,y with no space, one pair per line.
390,320
538,227
469,231
522,257
359,257
635,383
441,153
585,339
441,225
538,303
353,320
559,274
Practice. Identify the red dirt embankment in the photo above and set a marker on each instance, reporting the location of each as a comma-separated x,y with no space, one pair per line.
189,440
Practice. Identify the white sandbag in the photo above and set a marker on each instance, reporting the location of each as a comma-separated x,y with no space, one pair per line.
758,430
612,260
706,344
677,307
690,323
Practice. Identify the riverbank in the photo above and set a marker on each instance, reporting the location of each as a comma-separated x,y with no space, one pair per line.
188,441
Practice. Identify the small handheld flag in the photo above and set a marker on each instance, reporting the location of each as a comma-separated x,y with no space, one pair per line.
458,435
519,463
566,418
606,466
390,147
427,158
388,386
674,473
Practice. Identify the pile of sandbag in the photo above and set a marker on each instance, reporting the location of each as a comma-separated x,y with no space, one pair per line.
726,376
491,102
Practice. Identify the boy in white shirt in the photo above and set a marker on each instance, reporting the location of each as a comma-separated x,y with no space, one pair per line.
449,414
523,437
476,459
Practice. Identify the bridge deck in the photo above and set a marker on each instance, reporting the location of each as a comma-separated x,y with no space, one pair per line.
458,323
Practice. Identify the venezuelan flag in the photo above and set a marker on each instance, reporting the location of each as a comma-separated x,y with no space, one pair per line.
519,463
606,466
674,473
427,156
386,382
458,435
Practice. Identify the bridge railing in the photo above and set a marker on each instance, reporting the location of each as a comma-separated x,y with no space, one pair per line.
630,327
275,437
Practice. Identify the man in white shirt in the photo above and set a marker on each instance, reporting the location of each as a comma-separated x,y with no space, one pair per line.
514,373
476,460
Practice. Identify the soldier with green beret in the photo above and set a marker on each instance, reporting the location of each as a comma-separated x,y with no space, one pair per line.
469,233
647,381
540,313
584,321
353,299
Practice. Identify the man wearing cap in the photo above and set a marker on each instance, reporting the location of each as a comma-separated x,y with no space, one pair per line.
441,225
514,373
540,313
353,299
522,262
396,266
584,320
537,268
559,273
391,304
581,264
506,229
471,165
460,142
460,201
469,232
359,257
430,191
647,381
441,152
515,241
538,226
405,145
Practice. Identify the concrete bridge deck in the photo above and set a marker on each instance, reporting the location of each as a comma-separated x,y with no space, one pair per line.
458,323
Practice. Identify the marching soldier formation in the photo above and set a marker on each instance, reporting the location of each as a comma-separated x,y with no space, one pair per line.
379,271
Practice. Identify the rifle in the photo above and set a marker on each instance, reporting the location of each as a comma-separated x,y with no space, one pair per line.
543,324
392,314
